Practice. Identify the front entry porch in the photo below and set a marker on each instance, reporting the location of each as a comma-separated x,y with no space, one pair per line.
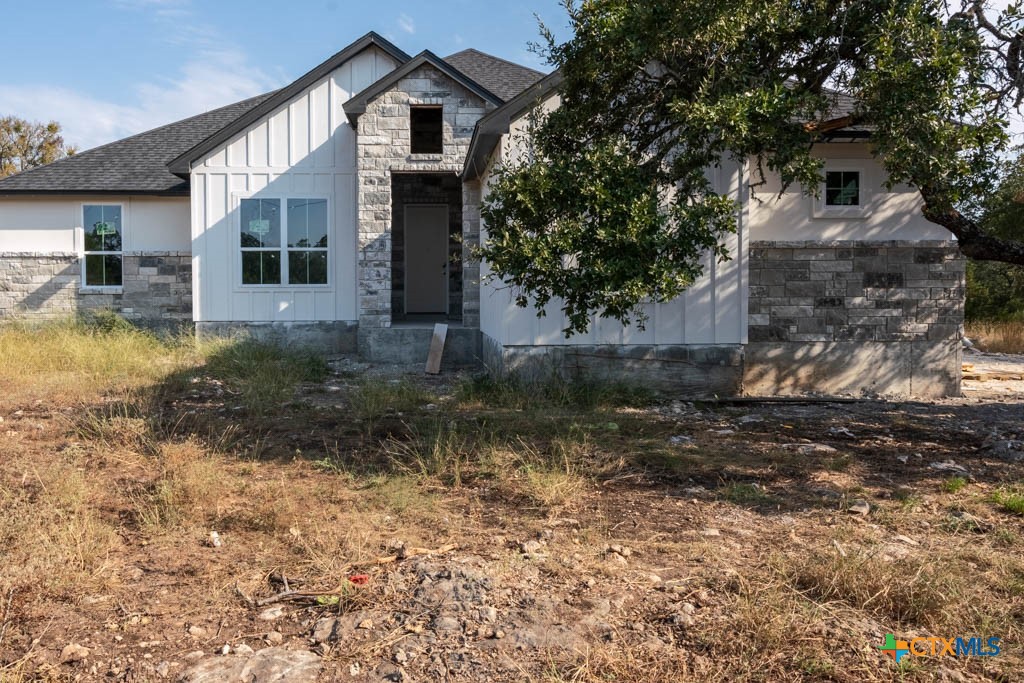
426,249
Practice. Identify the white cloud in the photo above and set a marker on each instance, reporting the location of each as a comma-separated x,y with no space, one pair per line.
406,23
213,76
213,79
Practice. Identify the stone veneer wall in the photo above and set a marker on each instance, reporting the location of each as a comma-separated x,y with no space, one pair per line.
383,147
880,317
156,291
471,200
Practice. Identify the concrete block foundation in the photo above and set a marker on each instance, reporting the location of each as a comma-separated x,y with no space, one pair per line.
328,337
864,368
410,345
686,371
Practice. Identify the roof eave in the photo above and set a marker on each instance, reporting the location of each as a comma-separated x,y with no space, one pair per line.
182,165
185,192
491,127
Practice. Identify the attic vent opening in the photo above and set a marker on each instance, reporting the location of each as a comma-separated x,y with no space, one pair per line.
427,130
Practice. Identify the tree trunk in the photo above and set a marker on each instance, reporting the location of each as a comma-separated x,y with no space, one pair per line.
973,240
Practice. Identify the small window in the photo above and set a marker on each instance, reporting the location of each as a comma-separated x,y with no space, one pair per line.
842,188
427,124
103,257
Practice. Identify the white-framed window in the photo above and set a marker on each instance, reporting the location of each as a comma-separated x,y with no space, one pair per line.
842,188
843,192
284,241
102,245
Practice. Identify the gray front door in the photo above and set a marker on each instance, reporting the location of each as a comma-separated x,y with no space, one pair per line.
426,259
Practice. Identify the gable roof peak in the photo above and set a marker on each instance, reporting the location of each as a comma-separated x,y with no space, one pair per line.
182,165
357,105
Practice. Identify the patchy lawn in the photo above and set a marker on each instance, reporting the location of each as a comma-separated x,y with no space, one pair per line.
404,528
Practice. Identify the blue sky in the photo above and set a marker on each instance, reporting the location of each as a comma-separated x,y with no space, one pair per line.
106,69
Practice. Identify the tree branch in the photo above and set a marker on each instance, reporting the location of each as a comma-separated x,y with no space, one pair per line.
973,241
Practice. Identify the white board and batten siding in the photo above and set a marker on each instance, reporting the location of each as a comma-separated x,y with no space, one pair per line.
304,149
712,311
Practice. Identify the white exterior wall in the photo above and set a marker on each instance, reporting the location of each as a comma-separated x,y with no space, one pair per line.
712,311
306,148
791,217
52,225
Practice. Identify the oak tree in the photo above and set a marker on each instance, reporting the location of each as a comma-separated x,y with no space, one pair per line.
26,144
612,207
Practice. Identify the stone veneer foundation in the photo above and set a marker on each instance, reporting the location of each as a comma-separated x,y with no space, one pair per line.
680,370
858,317
156,290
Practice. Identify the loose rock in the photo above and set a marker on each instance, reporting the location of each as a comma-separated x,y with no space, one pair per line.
326,630
266,666
72,653
271,614
446,624
529,547
859,507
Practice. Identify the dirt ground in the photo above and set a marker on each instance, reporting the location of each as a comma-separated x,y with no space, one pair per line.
747,541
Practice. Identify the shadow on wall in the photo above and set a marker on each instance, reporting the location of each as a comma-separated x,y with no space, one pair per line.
42,285
919,369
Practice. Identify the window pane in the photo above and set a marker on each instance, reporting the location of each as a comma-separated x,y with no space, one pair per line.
261,222
307,223
102,270
102,227
842,188
307,268
261,268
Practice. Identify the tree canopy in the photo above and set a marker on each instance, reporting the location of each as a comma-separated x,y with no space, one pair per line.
612,206
26,144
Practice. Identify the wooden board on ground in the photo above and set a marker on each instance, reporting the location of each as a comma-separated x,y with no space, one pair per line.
436,349
993,376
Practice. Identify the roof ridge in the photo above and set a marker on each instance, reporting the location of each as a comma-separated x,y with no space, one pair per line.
495,57
91,150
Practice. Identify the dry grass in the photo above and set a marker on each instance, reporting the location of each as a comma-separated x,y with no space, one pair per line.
997,337
914,592
109,490
70,360
54,537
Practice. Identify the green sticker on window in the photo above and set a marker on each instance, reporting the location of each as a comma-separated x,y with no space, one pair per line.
102,229
259,227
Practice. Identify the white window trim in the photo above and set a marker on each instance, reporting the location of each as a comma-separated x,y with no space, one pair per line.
236,223
819,209
80,248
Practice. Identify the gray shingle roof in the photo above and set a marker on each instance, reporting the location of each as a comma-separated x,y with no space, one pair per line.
135,165
139,164
502,77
